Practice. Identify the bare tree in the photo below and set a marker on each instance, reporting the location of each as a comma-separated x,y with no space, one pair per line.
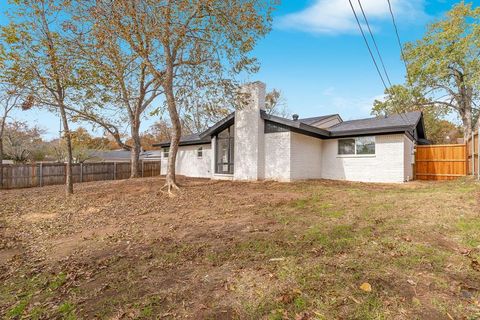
42,61
22,142
120,86
276,104
200,42
9,99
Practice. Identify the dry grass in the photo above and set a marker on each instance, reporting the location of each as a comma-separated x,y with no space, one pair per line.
223,250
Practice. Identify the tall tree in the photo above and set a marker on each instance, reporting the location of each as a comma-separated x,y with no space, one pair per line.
42,61
121,87
444,64
9,99
199,43
399,99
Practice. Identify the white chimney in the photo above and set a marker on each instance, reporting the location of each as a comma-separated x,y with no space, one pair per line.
249,135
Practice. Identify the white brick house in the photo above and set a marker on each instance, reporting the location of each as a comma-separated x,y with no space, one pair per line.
251,145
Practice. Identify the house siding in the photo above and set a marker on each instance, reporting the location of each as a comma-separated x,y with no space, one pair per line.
305,157
188,164
277,156
409,156
387,165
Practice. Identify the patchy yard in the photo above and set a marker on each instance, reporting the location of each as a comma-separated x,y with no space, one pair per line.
223,250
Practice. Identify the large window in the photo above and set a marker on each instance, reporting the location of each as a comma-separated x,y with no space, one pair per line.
356,146
224,151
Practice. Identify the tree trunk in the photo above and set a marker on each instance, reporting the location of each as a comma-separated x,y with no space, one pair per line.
68,140
176,131
135,152
1,160
466,116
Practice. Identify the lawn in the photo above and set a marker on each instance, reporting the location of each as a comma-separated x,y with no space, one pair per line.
223,250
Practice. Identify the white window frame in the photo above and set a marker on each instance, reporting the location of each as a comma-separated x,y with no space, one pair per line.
356,155
199,152
166,152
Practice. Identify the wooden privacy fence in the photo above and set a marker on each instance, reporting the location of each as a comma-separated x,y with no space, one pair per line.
441,162
472,150
44,174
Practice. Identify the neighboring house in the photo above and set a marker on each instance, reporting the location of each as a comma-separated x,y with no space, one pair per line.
252,145
124,155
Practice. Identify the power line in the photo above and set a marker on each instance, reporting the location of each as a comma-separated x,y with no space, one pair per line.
398,39
368,46
372,56
375,43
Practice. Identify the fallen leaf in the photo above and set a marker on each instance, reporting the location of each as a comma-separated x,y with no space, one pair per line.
366,287
475,265
276,259
354,300
411,282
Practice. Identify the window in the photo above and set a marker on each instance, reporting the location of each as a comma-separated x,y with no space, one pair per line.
272,127
200,152
224,147
166,152
346,146
356,146
365,145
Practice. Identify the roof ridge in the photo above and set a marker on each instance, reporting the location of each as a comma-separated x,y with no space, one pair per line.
322,116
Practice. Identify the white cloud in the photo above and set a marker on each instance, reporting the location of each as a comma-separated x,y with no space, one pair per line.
336,17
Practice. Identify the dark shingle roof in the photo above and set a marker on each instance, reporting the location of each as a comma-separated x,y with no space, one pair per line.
395,122
406,122
296,125
189,139
313,120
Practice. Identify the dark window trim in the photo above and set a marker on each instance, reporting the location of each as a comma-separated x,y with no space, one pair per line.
274,127
231,150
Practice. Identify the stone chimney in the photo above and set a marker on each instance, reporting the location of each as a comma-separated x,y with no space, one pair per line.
249,135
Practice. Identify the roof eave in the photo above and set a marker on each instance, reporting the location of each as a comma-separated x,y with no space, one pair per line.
351,133
183,143
219,126
297,125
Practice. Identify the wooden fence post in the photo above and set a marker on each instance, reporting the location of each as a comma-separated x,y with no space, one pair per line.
143,167
40,178
473,152
114,171
478,150
81,172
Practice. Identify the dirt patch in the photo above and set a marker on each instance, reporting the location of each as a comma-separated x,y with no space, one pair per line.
38,217
232,250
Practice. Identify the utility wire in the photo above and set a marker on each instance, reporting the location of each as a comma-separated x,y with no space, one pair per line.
375,43
372,56
398,39
368,46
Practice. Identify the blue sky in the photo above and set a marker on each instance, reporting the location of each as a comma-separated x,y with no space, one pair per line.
316,56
